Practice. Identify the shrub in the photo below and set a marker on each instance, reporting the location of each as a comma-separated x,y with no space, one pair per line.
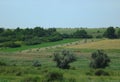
53,76
63,58
2,63
99,59
31,79
36,63
11,44
100,72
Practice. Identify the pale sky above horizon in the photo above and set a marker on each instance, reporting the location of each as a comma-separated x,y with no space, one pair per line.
59,13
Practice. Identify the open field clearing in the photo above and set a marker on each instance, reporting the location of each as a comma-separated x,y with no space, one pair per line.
102,44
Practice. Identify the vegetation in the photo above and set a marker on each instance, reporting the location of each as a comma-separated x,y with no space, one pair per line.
99,60
63,58
34,62
110,33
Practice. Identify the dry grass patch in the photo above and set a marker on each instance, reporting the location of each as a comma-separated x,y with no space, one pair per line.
103,44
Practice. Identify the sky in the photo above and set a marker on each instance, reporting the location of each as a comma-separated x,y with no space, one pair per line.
59,13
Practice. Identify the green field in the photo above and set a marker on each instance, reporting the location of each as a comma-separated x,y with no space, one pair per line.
19,64
48,44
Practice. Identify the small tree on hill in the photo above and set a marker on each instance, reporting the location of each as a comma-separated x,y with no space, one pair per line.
99,59
63,58
118,33
110,33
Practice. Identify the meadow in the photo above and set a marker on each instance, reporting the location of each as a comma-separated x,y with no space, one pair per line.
20,61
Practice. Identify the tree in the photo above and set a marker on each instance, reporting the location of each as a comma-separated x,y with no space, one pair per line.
38,31
99,59
81,34
110,33
118,33
63,58
55,37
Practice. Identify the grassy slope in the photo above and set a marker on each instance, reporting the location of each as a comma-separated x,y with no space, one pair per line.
110,45
48,44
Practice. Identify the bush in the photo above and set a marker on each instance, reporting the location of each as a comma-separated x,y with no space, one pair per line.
63,58
53,76
100,72
36,63
33,41
99,36
2,63
11,44
31,79
99,59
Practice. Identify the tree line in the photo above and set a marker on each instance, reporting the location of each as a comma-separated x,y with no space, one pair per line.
33,36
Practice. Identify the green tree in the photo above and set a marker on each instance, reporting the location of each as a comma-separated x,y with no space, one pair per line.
38,31
99,59
63,58
81,34
118,33
110,33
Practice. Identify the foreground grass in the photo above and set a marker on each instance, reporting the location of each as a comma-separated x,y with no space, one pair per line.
19,67
47,44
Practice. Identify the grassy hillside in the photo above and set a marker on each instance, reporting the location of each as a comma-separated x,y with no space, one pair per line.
92,45
102,44
47,44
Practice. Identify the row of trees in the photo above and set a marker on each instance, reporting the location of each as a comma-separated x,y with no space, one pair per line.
17,37
28,36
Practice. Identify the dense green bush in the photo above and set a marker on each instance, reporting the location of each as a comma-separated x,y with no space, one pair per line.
110,33
81,34
11,44
63,58
99,59
36,63
33,41
53,76
101,72
2,63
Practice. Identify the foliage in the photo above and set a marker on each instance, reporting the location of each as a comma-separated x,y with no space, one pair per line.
110,33
36,63
53,76
63,58
100,72
33,41
55,37
81,34
31,79
11,44
118,33
2,63
99,59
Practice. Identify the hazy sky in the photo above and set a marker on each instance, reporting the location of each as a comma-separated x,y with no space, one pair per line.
59,13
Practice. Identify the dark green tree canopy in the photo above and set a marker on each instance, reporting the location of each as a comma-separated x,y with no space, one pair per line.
110,33
81,34
63,58
118,33
99,59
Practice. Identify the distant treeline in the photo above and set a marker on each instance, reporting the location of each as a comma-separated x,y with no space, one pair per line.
32,36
